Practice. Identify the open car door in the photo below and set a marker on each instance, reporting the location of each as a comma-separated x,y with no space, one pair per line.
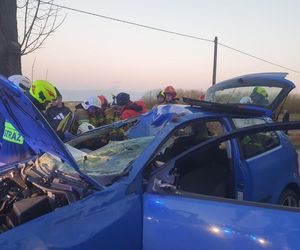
174,219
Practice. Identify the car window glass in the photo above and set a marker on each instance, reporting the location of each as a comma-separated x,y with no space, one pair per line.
261,96
215,128
188,136
255,144
258,143
246,122
109,161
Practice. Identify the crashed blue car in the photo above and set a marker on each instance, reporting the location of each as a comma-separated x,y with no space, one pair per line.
213,174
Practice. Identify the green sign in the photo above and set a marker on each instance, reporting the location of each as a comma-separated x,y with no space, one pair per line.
11,134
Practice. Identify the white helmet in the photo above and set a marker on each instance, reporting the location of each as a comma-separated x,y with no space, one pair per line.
92,101
21,81
85,127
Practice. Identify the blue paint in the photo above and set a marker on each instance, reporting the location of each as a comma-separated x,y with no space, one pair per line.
130,215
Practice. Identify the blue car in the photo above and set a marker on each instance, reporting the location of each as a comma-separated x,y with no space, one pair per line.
213,174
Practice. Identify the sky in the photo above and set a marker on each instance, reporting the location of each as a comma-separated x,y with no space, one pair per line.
90,53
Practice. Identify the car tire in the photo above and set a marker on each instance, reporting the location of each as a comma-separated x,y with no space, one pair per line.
289,198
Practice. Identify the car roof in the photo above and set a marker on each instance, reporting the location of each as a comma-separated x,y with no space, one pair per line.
161,119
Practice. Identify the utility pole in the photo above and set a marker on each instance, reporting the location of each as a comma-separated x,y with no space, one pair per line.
215,61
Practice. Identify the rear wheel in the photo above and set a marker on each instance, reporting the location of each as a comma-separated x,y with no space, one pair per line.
289,198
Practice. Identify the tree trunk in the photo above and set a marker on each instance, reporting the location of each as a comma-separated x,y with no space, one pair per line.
10,51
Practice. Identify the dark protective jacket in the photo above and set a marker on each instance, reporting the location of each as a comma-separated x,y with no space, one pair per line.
54,115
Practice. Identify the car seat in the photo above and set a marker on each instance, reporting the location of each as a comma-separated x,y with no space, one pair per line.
205,173
183,143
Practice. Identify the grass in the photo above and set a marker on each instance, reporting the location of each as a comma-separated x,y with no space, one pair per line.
293,117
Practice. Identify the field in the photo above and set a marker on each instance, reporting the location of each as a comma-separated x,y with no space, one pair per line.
294,135
293,117
71,104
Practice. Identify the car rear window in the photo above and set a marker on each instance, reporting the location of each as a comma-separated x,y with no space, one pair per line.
260,96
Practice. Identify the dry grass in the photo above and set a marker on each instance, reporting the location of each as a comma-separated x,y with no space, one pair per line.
294,137
71,104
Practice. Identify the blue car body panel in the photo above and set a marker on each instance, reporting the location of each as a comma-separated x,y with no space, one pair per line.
260,183
20,111
108,219
176,222
32,125
125,216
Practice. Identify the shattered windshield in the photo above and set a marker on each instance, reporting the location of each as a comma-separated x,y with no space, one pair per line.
114,159
256,95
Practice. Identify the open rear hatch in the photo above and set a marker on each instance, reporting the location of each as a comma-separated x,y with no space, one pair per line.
262,92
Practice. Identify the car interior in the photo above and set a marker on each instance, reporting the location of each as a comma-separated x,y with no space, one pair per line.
207,171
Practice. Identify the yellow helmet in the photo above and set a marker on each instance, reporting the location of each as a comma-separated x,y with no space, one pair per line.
43,91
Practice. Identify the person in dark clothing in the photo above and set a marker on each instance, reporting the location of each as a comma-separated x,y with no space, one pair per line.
286,118
259,96
129,109
57,111
161,97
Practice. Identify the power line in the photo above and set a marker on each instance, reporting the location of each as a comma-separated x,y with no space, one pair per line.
258,58
169,32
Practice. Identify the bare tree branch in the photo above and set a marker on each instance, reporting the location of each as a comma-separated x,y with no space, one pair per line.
32,68
25,19
28,33
41,19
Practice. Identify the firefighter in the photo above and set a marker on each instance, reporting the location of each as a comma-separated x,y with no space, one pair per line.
161,97
259,96
91,111
171,95
129,109
41,93
57,111
21,81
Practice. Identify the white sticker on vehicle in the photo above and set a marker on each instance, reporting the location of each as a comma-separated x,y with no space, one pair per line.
240,196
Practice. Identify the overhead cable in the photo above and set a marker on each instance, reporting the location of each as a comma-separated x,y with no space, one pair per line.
168,31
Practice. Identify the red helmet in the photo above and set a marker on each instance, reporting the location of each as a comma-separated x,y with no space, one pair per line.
170,90
103,101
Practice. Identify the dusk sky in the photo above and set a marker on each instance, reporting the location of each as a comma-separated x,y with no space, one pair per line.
93,53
